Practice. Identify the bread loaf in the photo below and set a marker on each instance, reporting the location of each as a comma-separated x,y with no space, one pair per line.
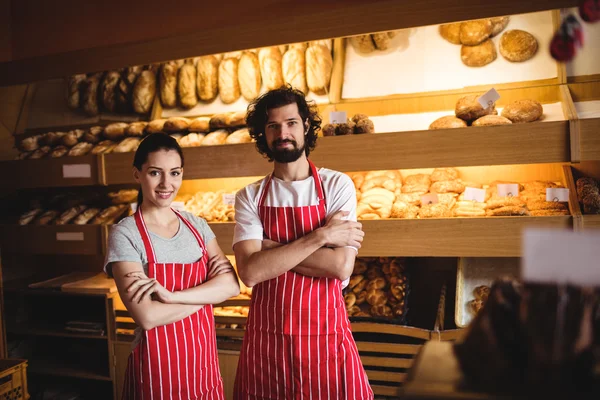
319,65
475,32
124,196
104,147
208,78
155,126
300,46
69,214
47,217
215,138
478,55
469,109
294,69
249,75
40,153
219,121
489,120
235,119
517,45
447,122
229,87
381,40
74,86
418,183
80,149
86,216
71,138
176,124
136,129
270,60
31,143
498,24
144,92
115,131
127,145
191,140
26,218
444,174
239,136
89,99
363,43
451,32
125,88
168,84
109,215
93,135
108,90
59,151
186,86
53,138
523,111
200,124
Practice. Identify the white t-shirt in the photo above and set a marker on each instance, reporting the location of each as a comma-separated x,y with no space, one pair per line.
340,195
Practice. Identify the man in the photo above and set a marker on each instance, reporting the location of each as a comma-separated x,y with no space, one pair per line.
295,241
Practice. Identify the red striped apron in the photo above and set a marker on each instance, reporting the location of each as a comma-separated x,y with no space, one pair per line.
178,360
298,342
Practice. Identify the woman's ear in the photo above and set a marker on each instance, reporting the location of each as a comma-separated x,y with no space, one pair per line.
136,174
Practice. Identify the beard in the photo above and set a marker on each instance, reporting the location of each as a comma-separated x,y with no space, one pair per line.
285,156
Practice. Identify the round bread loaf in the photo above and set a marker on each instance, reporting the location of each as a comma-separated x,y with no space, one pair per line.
498,24
517,45
523,111
469,109
474,32
451,32
449,121
479,55
489,120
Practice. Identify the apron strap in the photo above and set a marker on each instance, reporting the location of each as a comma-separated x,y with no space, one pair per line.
194,232
139,221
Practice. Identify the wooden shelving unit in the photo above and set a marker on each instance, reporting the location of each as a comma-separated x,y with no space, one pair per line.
56,369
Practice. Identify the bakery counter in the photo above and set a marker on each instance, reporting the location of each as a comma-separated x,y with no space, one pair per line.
53,239
53,172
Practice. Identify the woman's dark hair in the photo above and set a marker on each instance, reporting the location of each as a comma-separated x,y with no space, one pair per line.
153,143
257,115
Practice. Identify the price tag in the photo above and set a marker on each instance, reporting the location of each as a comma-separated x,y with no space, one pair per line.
133,207
561,256
508,190
178,205
431,198
69,236
77,171
338,117
474,194
489,98
557,194
229,199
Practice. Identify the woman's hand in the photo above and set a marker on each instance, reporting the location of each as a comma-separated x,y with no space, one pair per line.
218,265
149,288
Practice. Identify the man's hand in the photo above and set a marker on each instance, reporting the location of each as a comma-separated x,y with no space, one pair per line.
340,233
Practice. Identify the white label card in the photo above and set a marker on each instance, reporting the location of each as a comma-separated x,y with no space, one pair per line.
338,117
489,98
508,190
431,198
474,194
229,199
69,236
77,171
561,256
133,207
178,205
557,194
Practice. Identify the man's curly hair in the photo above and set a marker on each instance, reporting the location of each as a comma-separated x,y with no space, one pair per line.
256,117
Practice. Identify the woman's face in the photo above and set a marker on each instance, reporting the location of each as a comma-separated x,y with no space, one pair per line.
160,177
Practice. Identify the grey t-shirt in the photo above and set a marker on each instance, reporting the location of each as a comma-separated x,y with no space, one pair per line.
125,243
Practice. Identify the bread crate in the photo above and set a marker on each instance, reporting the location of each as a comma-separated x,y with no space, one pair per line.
13,380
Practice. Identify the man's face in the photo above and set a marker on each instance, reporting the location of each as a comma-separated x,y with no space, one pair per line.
284,132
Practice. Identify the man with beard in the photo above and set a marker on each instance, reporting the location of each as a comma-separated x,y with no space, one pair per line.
295,241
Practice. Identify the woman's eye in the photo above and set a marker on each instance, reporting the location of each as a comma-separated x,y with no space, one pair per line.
175,173
154,173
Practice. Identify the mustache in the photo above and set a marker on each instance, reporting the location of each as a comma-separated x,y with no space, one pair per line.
282,141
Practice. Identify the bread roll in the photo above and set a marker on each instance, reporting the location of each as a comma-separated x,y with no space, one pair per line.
89,99
229,87
449,121
31,143
74,90
208,78
381,40
71,138
115,131
186,86
523,111
444,174
507,211
498,24
191,140
364,126
176,124
294,69
475,32
59,151
80,149
479,55
270,60
451,32
86,216
215,138
363,44
401,209
469,109
144,92
438,210
418,183
249,75
104,147
127,145
517,45
239,136
200,124
167,80
489,120
155,126
450,186
136,129
108,90
319,65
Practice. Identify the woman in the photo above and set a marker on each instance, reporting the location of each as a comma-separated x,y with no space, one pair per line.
169,269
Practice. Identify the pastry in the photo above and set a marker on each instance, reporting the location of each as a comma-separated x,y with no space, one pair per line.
364,126
451,186
444,174
416,183
523,111
191,140
469,109
449,121
478,55
381,40
475,32
517,45
508,211
489,120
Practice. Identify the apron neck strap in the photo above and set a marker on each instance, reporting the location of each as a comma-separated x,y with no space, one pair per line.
141,225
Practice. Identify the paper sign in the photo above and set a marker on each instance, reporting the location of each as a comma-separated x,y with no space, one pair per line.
489,98
474,194
338,117
133,207
77,171
561,256
508,190
178,205
229,199
431,198
69,236
557,194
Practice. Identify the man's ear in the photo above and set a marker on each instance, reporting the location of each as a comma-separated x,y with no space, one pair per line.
306,126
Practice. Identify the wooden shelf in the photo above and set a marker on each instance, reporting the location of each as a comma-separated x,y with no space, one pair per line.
49,331
50,172
589,129
54,369
53,239
590,222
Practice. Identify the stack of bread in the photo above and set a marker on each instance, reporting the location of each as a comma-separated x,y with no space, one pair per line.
468,112
588,192
376,192
358,124
377,288
211,207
